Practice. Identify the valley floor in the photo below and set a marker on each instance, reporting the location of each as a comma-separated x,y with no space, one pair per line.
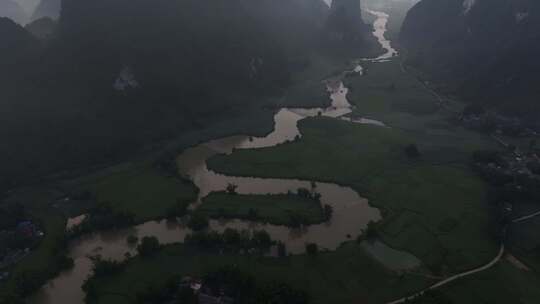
415,170
434,205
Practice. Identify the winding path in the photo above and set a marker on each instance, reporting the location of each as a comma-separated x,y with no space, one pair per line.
470,272
525,218
454,277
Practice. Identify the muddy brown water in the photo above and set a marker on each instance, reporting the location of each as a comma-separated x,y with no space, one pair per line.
351,213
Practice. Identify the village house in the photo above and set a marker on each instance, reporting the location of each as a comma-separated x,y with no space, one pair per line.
204,294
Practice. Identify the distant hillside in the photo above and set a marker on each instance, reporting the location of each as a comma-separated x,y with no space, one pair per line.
120,75
47,8
43,28
12,10
346,26
29,6
18,50
486,49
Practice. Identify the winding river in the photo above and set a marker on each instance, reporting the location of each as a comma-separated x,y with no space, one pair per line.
351,213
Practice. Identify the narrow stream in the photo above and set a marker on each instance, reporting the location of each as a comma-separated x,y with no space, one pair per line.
351,213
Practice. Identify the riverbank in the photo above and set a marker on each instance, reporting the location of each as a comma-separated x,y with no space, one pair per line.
423,199
414,170
134,186
347,225
289,210
346,275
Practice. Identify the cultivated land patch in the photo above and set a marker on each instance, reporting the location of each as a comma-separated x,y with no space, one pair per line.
436,211
435,206
346,275
141,190
502,284
280,209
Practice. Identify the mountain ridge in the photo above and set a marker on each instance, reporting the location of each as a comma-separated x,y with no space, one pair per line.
485,49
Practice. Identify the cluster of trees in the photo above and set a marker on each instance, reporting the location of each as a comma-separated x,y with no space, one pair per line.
308,194
101,268
512,186
476,117
148,247
10,215
180,209
295,219
239,286
102,217
198,221
28,281
170,292
370,233
298,220
245,288
412,151
231,240
231,189
512,183
328,211
312,249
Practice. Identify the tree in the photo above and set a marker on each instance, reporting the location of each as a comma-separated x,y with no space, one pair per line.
475,110
412,151
180,209
148,247
102,268
186,296
253,214
65,263
231,237
532,145
371,231
312,249
198,221
132,240
231,188
328,211
261,239
486,156
304,193
296,220
282,249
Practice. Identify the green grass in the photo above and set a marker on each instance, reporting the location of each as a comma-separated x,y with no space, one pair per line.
347,275
435,207
386,90
141,190
525,241
500,285
274,209
418,196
